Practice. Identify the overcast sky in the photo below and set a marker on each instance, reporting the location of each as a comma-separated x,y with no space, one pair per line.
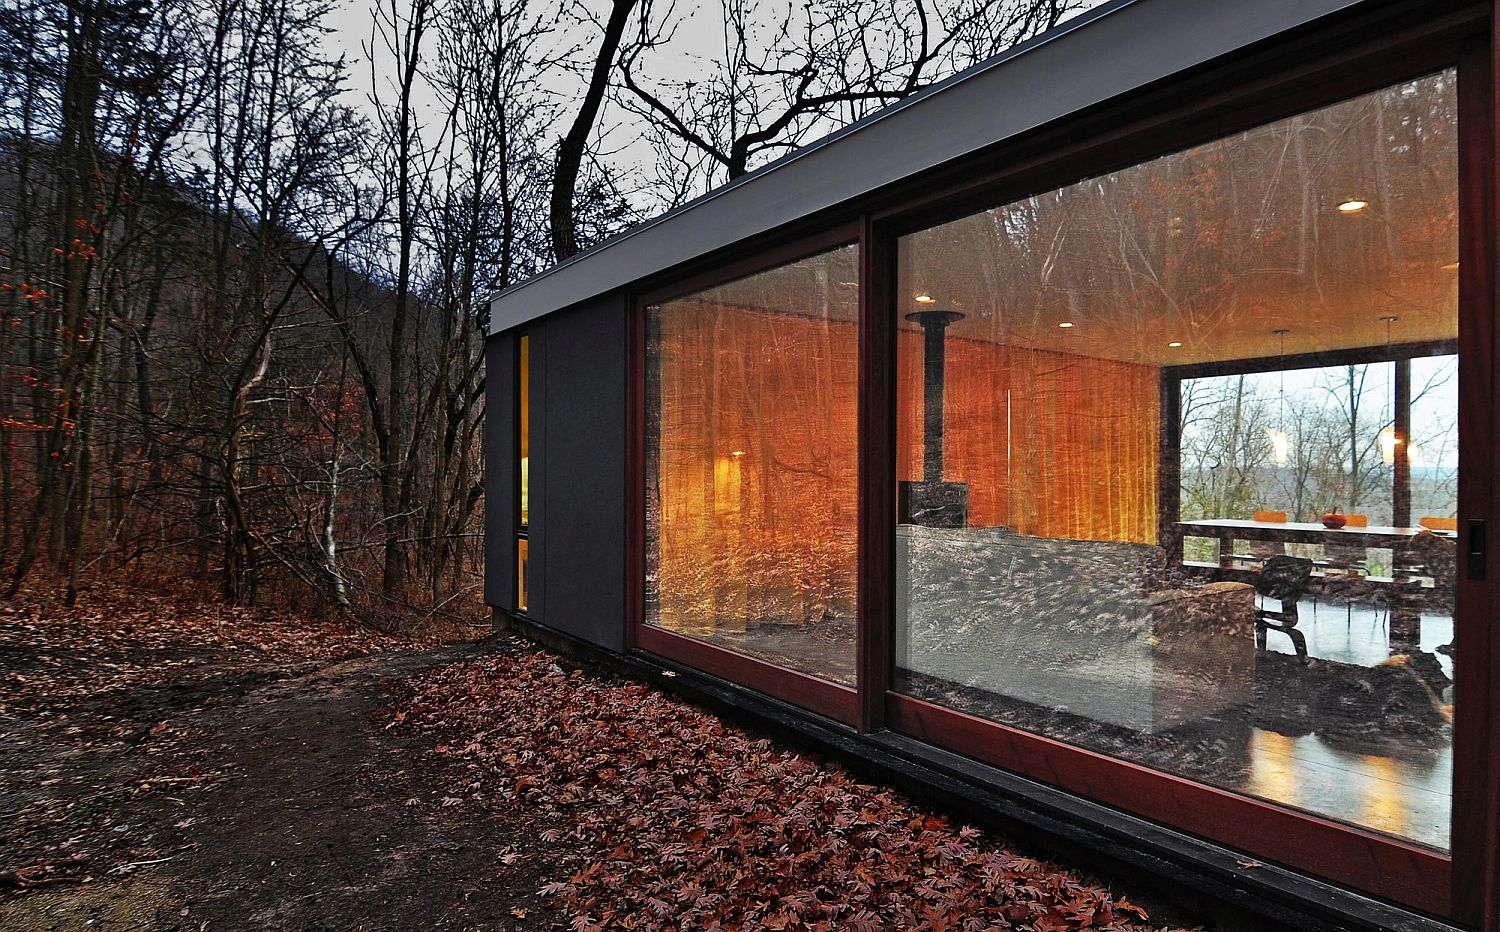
698,40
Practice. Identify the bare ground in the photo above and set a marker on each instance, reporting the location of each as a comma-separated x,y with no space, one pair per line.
269,797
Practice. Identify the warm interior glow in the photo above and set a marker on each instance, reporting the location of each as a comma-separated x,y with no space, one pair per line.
1057,457
729,485
1039,585
523,429
925,298
1273,770
752,465
522,584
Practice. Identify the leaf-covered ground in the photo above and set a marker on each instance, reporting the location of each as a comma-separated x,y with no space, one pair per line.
669,818
124,635
167,763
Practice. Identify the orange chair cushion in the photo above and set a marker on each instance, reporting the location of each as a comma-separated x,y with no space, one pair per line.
1356,520
1271,517
1439,524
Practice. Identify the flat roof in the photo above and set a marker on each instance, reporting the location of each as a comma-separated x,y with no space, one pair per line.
1111,50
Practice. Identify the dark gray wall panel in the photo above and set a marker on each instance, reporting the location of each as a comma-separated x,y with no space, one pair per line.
499,471
1113,50
583,493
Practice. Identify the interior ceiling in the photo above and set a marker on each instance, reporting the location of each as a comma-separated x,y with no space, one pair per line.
1215,248
1342,314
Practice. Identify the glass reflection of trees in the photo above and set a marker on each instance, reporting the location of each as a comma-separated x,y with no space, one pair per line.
1288,282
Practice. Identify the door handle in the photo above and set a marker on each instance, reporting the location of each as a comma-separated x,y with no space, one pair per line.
1477,548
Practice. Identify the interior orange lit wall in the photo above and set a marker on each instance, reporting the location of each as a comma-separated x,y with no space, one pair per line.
1049,444
757,470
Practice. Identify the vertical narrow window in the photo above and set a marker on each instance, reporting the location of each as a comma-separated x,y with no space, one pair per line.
751,465
1178,455
523,466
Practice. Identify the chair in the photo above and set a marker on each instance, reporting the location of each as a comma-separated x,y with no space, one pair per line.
1263,550
1437,558
1350,589
1439,555
1431,555
1284,579
1344,565
1350,559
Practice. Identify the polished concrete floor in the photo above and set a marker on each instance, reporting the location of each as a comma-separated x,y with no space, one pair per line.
1293,745
1395,784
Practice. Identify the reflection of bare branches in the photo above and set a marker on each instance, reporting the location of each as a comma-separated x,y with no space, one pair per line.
1217,245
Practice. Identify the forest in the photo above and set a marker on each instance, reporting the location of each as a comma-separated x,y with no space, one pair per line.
243,273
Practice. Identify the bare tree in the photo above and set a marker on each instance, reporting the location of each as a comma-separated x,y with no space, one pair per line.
114,97
574,144
782,78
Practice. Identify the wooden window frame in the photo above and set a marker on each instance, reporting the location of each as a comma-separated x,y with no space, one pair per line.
825,697
1359,54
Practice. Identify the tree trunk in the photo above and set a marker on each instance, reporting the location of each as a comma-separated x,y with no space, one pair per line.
573,146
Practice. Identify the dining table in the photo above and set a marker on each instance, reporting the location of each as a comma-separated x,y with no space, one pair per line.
1405,616
1229,530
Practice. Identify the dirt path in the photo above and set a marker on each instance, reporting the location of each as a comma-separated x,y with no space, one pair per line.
258,802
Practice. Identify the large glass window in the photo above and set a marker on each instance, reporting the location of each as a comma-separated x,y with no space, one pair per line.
1177,462
751,465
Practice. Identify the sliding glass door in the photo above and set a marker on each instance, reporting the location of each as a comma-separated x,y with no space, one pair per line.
1177,469
751,456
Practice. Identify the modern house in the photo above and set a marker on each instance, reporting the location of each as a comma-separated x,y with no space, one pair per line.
1109,429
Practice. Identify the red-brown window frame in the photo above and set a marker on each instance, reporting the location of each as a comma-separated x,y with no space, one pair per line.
1386,867
1300,73
825,697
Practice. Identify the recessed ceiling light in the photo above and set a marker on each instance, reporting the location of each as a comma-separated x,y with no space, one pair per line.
737,453
1175,343
1066,324
1450,266
925,298
1353,206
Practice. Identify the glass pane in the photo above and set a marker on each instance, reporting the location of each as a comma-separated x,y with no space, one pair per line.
522,545
751,465
523,391
1177,462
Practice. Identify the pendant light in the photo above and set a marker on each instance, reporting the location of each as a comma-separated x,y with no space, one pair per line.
1281,442
1388,438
